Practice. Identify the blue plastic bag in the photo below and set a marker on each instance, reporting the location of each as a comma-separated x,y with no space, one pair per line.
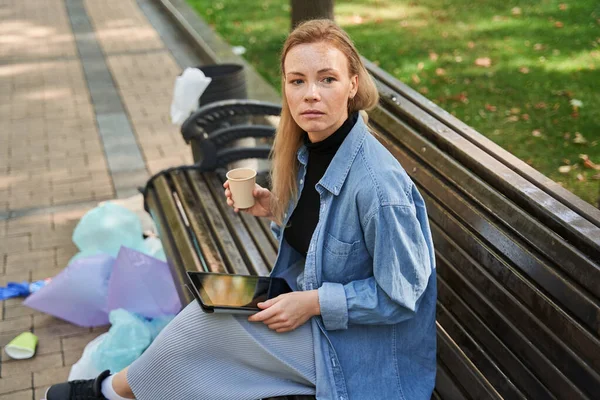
126,340
108,227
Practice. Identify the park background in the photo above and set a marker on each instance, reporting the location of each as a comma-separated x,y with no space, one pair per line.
524,73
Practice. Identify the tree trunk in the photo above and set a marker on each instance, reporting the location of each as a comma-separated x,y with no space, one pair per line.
304,10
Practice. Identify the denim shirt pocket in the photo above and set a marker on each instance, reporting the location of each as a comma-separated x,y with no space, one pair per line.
344,262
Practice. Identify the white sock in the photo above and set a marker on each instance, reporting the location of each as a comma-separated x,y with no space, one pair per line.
108,391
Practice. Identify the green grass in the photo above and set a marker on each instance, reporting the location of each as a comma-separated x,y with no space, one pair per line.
543,55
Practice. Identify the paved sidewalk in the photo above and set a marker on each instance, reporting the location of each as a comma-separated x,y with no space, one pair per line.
85,90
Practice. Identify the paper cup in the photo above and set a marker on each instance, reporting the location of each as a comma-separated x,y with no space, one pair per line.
21,347
241,185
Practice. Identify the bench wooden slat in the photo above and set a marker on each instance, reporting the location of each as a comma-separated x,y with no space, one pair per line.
245,243
509,362
482,261
173,219
568,258
446,387
463,370
264,245
266,226
511,330
203,234
227,246
544,207
591,213
477,355
534,265
169,245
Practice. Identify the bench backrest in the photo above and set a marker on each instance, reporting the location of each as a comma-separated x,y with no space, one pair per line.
517,259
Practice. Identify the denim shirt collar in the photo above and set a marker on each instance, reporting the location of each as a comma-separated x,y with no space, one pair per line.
338,169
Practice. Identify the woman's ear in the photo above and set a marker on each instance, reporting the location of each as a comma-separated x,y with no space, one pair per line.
353,86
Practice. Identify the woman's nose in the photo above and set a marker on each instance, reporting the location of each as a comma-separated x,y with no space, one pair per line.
312,93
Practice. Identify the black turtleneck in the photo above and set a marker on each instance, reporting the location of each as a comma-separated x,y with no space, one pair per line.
304,219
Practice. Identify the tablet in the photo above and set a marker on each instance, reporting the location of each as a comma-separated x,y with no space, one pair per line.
234,294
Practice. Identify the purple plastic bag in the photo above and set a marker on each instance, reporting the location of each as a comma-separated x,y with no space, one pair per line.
142,284
77,294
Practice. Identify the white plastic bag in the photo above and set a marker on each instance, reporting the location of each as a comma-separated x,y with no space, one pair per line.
188,89
84,368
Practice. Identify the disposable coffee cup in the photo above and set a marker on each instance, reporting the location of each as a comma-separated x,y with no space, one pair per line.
21,347
241,185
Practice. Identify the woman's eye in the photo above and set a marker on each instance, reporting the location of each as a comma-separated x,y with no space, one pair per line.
296,81
329,80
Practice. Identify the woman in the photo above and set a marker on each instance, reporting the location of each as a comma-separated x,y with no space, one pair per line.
356,247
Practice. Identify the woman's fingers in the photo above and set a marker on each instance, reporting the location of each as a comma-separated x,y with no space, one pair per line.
279,326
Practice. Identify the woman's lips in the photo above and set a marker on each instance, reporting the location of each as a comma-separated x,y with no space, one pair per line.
312,114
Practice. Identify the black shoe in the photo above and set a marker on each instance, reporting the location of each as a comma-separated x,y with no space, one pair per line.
90,389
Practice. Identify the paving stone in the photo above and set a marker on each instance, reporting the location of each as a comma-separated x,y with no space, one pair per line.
20,395
19,324
15,383
60,330
51,376
78,342
35,364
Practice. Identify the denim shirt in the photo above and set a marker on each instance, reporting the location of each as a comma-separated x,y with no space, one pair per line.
371,258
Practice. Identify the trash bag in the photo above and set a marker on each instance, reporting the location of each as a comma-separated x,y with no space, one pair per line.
135,204
143,285
153,247
108,227
127,338
84,368
189,86
78,293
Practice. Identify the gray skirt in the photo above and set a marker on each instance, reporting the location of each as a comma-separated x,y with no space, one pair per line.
222,357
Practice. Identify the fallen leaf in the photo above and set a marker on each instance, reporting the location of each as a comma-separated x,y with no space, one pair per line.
525,117
563,6
576,103
423,90
524,70
513,118
536,133
458,59
471,44
566,161
540,106
588,163
567,135
433,56
559,24
440,71
485,62
415,78
580,177
420,66
516,11
596,177
490,107
565,169
538,47
356,19
515,110
579,139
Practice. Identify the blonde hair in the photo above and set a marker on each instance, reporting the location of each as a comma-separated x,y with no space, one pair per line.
288,138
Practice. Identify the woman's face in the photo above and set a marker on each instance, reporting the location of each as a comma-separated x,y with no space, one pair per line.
318,86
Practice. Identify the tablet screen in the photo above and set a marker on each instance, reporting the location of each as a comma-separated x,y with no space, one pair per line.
222,290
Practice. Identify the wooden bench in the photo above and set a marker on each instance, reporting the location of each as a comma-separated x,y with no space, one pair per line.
518,257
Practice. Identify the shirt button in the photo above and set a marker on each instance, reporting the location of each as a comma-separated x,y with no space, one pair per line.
301,181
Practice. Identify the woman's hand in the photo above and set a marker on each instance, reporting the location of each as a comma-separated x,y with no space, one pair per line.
288,311
262,201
